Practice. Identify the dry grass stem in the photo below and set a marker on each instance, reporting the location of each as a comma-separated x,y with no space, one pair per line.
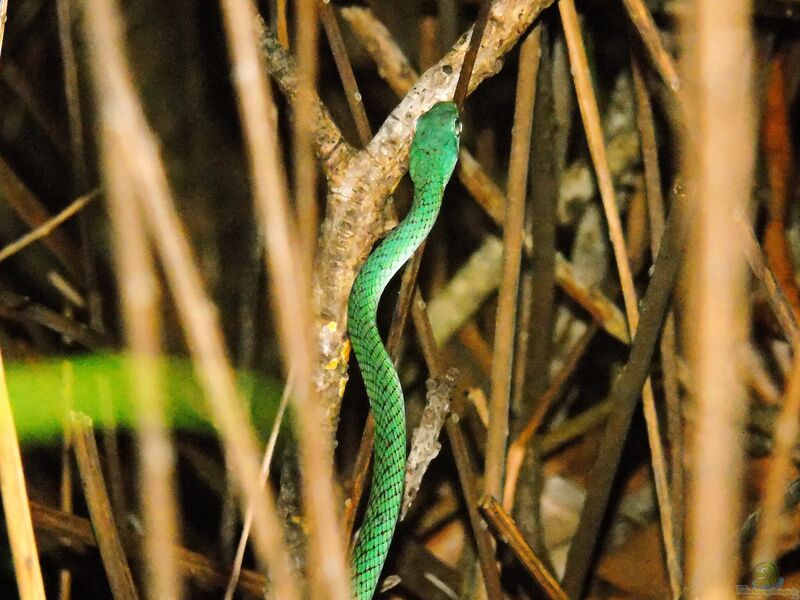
507,531
140,292
126,122
33,213
594,134
651,37
15,503
289,270
48,226
3,19
502,363
719,160
71,532
669,358
66,487
119,574
773,522
305,168
266,463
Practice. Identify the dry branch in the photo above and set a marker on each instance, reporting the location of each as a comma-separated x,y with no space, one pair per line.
358,188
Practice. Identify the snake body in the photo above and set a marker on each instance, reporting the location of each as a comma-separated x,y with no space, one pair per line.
434,152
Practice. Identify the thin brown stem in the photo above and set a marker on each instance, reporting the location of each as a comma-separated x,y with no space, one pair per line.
625,393
282,23
594,134
3,19
66,487
464,467
345,69
651,37
517,449
466,475
305,166
15,503
266,462
669,359
465,74
119,574
502,362
46,228
507,530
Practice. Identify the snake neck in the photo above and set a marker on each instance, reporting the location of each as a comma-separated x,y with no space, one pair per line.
399,245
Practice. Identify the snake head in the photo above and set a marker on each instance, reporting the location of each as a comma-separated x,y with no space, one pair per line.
434,151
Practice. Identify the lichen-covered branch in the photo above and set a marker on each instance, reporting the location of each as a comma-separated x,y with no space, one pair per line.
359,186
425,444
332,149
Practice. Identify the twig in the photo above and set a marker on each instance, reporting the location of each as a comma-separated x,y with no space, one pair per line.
66,488
643,20
466,475
574,428
469,288
305,45
48,226
80,177
497,436
777,146
15,503
345,69
507,531
282,23
719,157
625,394
772,522
133,139
34,214
465,73
3,19
103,523
781,307
426,576
458,446
655,207
533,353
141,297
332,150
22,309
516,451
263,475
110,425
75,533
594,134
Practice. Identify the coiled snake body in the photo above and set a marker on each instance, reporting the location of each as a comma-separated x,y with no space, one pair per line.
434,152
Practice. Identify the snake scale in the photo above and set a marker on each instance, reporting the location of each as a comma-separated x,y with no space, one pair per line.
434,152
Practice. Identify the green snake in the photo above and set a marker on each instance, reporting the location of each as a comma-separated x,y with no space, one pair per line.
434,152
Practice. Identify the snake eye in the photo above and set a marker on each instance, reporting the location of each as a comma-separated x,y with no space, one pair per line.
457,126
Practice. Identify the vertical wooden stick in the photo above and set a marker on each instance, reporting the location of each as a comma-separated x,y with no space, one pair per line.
719,159
15,503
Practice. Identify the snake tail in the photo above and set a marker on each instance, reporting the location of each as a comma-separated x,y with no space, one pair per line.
434,152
